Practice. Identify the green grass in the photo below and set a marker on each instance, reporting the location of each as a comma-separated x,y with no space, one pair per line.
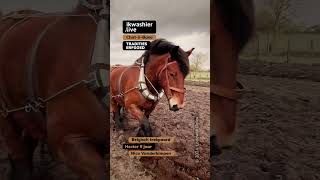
304,48
283,59
198,76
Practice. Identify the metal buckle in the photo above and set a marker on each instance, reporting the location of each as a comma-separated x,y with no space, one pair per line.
34,105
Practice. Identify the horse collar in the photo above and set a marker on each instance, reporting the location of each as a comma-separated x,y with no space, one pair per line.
142,85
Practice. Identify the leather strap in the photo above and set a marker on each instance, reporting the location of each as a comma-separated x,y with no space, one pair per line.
4,101
31,79
165,67
178,90
224,92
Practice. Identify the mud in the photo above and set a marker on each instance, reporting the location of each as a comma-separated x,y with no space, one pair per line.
180,125
278,133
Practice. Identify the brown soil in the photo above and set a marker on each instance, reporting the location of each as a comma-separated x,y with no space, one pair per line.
278,133
45,168
170,124
282,70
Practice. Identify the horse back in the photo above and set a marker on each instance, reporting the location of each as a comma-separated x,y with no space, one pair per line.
17,38
63,54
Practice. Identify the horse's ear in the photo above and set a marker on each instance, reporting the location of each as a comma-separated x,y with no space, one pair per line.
175,49
189,52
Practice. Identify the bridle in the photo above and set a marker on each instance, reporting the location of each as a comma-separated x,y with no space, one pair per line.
171,88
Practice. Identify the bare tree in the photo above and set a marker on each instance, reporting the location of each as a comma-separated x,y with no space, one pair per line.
197,61
281,12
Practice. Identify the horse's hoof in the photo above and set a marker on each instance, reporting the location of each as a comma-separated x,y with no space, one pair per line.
214,148
148,133
125,124
156,133
144,133
120,126
214,151
140,133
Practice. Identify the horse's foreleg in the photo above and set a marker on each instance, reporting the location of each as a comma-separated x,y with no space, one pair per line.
20,151
155,132
224,74
145,128
78,131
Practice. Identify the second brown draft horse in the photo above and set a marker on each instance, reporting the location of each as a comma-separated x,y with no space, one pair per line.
138,88
232,25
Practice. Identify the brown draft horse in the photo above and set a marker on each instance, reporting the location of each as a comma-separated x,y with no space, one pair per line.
232,25
138,88
74,123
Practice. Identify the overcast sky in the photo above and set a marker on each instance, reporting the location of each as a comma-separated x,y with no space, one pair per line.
186,24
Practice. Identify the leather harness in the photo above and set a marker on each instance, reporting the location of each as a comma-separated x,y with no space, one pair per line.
167,79
98,70
142,87
224,92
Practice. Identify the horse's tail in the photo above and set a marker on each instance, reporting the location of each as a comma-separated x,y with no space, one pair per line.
238,18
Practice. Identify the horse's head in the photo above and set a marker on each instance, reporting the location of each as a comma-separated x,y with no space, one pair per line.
172,77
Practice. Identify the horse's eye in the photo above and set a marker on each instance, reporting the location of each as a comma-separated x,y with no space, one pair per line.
172,74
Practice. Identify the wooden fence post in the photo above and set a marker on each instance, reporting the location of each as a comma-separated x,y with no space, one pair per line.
288,50
258,48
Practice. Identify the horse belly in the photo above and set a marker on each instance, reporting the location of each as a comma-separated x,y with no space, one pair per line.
15,57
15,50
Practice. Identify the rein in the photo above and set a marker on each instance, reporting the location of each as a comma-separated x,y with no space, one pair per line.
224,92
38,103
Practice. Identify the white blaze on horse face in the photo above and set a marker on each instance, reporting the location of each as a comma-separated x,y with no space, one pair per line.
175,101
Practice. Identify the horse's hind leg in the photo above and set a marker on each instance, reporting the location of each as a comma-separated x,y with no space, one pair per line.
145,128
83,157
116,115
20,150
78,131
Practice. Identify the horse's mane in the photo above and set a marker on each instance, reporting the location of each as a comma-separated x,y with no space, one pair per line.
162,46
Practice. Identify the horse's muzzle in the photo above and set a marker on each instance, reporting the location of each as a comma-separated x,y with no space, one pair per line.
174,105
174,108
